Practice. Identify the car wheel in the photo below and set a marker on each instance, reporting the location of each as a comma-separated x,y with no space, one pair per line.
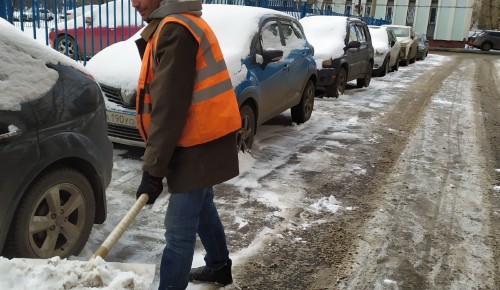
70,43
486,46
385,69
303,110
396,66
364,82
413,59
54,217
246,133
406,61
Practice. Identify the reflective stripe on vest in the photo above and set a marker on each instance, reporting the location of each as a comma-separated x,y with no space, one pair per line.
214,110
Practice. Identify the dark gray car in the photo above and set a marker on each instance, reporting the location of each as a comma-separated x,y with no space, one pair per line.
56,158
488,39
356,58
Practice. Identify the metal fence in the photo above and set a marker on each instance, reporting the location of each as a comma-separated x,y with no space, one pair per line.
80,30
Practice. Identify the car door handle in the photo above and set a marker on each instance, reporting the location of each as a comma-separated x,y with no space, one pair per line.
12,131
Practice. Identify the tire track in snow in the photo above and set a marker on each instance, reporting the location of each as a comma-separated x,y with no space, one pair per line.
424,238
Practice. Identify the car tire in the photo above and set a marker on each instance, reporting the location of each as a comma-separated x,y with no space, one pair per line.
61,46
385,69
246,133
396,66
413,59
406,61
486,46
303,110
365,82
58,212
338,88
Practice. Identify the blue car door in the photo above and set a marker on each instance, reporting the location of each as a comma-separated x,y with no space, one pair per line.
272,76
296,55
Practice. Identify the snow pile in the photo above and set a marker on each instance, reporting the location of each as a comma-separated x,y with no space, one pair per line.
329,204
56,273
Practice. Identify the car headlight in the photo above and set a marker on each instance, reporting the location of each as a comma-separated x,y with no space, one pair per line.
327,63
128,96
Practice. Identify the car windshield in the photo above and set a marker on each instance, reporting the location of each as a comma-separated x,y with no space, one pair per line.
401,31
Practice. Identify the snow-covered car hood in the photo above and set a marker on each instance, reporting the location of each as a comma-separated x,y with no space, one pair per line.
326,34
234,43
380,40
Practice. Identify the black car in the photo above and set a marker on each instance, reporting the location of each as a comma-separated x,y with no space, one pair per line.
56,158
351,59
423,46
487,39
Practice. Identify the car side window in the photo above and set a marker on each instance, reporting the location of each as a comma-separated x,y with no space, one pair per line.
353,35
270,36
361,33
293,35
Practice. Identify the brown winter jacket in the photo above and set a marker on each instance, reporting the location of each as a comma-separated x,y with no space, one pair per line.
185,168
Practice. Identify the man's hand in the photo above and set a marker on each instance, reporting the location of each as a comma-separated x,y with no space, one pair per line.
151,185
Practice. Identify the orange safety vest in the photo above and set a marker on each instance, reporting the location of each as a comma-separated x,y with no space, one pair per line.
214,110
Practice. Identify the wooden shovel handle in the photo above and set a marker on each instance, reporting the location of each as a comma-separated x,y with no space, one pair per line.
118,231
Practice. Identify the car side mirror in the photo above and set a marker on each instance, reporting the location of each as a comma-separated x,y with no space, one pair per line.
271,55
354,44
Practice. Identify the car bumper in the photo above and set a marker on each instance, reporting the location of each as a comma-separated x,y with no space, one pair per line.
122,127
326,76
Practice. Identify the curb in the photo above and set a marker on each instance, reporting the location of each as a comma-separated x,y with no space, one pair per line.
463,50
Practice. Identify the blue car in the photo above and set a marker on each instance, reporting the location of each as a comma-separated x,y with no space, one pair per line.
269,59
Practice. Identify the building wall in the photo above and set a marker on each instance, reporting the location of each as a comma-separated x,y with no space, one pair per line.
453,18
422,16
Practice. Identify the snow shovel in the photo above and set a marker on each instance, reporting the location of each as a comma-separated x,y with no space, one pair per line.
145,271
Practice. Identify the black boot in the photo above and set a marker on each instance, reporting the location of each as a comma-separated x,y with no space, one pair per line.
219,276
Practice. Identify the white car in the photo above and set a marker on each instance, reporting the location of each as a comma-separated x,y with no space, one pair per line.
409,43
42,14
387,47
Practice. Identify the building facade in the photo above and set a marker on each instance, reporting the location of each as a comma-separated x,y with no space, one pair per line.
445,22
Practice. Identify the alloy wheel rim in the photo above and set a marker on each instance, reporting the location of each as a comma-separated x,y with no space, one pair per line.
57,221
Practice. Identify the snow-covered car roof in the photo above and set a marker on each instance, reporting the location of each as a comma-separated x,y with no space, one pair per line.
380,40
327,35
24,74
234,42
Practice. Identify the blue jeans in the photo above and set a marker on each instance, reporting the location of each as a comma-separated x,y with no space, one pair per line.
189,213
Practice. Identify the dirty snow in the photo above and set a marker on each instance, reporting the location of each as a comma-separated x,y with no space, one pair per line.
56,274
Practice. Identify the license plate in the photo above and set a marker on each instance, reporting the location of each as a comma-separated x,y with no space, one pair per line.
121,119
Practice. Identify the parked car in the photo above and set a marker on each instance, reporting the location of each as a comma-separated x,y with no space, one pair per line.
343,51
423,46
42,14
269,60
472,36
488,39
409,43
87,34
56,157
386,47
